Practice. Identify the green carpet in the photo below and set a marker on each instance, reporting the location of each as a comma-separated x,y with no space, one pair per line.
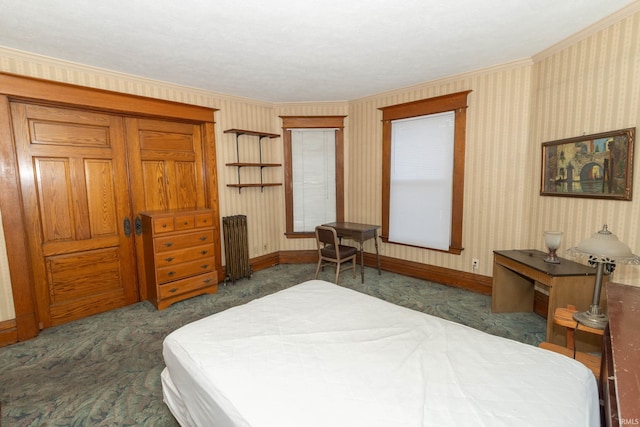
105,370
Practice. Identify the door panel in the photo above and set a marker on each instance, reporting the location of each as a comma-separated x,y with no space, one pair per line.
166,164
55,199
74,181
154,186
186,185
102,213
68,273
166,168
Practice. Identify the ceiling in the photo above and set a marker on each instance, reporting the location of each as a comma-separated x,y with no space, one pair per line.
294,50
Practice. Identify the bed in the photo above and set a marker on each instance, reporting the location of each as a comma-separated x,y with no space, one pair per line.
317,354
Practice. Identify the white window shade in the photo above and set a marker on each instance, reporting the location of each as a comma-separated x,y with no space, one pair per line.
314,172
422,180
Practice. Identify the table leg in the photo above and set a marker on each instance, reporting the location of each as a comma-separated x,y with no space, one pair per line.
362,260
375,241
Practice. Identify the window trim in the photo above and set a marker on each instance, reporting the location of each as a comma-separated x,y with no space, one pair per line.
456,102
311,122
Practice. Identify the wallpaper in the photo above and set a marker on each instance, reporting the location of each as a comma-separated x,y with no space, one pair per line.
587,84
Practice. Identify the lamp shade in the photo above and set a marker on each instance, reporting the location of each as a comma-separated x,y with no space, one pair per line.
552,239
604,246
604,250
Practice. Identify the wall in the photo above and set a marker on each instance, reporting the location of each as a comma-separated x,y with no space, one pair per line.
585,86
6,295
588,84
495,199
264,210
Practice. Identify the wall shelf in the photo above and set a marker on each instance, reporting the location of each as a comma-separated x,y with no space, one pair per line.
239,165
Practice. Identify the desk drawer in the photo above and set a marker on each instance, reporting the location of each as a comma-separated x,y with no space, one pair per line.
186,269
165,259
204,220
185,222
181,241
186,285
162,225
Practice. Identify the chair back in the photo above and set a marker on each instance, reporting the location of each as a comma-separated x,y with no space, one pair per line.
330,250
326,236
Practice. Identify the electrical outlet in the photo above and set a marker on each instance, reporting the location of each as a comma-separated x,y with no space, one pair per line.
475,264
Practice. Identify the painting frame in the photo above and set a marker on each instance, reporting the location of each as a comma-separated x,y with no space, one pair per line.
598,166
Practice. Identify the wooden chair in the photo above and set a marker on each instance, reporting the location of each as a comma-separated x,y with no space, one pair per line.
564,317
330,251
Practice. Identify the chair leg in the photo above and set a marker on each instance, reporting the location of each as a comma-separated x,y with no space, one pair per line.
337,272
318,268
353,266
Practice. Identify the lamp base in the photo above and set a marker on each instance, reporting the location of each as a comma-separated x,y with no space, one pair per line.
593,318
552,257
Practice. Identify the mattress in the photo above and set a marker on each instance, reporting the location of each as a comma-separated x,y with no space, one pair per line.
318,354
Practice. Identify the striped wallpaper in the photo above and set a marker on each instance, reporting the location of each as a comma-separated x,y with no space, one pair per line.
6,296
587,87
587,84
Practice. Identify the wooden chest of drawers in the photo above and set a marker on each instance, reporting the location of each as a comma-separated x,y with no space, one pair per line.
179,255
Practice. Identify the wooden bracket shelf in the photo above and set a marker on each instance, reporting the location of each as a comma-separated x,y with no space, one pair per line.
240,132
262,165
266,184
238,164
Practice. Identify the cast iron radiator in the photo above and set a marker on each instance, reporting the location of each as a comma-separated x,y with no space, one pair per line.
236,247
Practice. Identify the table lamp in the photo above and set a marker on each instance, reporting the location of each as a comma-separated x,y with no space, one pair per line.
552,239
603,250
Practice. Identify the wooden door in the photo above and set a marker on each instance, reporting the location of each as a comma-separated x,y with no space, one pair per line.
73,176
166,167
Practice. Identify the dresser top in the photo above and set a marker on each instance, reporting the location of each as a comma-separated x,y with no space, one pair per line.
623,302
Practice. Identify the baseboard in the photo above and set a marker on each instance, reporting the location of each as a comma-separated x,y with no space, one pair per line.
265,261
459,279
8,332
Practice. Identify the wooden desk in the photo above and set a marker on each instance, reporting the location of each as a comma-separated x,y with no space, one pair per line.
517,272
359,233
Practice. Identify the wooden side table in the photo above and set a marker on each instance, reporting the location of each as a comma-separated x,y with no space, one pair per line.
564,317
516,273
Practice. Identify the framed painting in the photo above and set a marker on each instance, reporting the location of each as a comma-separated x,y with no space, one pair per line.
597,166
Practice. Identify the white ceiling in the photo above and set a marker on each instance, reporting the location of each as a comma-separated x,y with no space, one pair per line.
294,50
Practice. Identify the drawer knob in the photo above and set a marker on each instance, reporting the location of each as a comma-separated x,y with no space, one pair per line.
203,252
168,244
164,225
173,290
203,238
185,223
207,280
171,273
204,266
169,259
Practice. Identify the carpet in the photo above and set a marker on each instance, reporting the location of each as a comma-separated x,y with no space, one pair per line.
104,370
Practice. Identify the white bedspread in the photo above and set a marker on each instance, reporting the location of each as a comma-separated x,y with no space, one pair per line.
318,354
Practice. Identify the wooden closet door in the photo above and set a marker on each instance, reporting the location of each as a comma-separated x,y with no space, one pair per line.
75,190
166,167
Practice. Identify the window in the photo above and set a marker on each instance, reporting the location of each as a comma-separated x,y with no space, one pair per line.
314,183
423,172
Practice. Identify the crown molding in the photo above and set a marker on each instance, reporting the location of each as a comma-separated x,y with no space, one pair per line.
608,21
44,67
